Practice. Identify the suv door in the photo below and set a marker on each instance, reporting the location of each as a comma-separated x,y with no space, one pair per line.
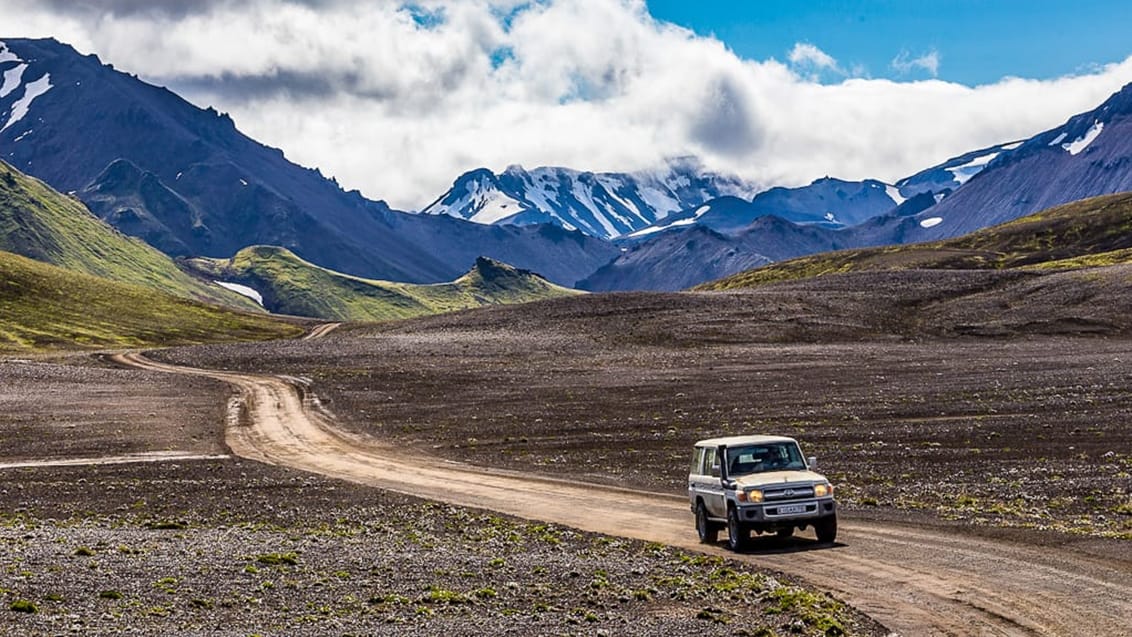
702,483
695,475
715,498
705,482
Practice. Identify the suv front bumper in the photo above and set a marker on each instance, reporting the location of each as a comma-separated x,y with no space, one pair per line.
770,512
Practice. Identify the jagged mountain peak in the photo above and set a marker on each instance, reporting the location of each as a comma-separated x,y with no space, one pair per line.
605,205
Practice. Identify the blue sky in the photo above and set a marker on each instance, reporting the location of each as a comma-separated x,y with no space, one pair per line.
978,41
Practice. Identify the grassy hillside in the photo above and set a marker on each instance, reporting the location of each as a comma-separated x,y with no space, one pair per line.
42,224
45,307
1088,233
290,285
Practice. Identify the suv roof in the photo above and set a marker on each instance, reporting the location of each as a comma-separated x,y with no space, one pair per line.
732,441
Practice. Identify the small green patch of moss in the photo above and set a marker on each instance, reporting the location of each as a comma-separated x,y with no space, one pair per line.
277,559
110,594
23,606
166,525
443,596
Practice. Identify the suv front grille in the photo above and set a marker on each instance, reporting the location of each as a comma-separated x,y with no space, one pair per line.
788,493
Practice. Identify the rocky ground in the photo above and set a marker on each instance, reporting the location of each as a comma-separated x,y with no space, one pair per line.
1024,426
1024,429
231,547
80,408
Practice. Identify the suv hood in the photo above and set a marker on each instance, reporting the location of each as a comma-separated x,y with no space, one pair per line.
778,477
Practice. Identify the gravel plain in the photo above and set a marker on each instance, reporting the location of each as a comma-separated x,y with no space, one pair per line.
233,547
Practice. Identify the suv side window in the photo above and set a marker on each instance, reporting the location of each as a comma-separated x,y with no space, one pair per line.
697,461
711,463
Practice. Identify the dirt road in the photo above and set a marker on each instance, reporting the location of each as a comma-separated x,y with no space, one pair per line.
917,581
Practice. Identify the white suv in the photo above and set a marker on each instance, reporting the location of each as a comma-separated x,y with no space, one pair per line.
758,483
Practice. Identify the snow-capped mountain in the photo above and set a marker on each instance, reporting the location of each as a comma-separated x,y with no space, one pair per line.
833,203
1087,156
187,181
948,176
605,205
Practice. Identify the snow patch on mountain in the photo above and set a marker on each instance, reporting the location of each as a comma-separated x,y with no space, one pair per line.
492,206
662,201
12,79
894,193
31,91
931,222
1081,143
6,55
953,173
251,293
965,172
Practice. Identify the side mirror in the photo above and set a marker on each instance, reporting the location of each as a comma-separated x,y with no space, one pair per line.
812,461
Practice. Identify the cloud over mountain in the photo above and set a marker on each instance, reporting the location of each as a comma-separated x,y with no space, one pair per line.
396,98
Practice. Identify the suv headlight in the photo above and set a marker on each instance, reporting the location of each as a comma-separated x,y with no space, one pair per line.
822,490
754,495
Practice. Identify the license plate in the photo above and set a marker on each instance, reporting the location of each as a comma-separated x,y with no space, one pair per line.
791,508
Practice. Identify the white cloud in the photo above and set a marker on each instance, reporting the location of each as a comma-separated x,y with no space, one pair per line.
806,55
905,64
398,106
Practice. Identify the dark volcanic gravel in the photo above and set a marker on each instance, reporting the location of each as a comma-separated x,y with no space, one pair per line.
1024,429
237,548
54,410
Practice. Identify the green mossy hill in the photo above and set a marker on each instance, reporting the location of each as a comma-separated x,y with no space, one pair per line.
42,224
290,285
1087,233
45,307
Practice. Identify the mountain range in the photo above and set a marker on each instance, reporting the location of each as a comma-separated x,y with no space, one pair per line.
188,182
1087,156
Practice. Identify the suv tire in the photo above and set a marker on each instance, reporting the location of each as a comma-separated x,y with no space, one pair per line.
826,529
737,534
705,528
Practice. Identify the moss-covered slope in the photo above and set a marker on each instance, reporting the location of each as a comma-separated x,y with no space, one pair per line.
290,285
46,307
42,224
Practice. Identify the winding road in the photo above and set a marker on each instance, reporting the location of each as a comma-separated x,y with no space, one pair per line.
917,581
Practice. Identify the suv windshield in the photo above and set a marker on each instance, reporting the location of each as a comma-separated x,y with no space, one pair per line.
776,456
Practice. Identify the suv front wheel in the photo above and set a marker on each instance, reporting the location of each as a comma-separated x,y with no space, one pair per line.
826,529
737,534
